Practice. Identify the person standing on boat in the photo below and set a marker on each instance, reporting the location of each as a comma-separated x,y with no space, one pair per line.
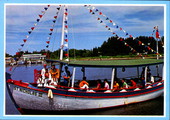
54,72
84,84
106,84
43,71
67,76
45,75
148,75
143,72
41,80
143,82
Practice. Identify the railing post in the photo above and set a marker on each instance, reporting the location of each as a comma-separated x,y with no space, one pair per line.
112,78
146,70
72,82
73,77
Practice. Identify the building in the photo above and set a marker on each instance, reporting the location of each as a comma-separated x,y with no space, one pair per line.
33,57
9,60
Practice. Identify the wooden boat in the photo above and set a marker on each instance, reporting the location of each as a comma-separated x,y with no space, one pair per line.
27,96
30,97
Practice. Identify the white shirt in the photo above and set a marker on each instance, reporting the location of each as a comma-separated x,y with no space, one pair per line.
43,73
106,85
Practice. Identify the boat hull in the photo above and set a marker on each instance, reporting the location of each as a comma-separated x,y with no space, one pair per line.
31,98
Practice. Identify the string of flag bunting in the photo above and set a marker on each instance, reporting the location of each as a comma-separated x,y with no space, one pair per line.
98,13
64,46
40,16
52,27
94,11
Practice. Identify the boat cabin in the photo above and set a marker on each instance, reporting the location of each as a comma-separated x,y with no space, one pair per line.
141,80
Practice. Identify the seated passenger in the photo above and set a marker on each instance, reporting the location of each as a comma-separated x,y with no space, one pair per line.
106,84
98,85
84,84
124,85
133,84
115,86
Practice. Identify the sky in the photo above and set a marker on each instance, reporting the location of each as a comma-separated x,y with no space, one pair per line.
84,30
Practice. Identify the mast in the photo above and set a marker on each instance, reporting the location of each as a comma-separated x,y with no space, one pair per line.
157,37
62,35
157,48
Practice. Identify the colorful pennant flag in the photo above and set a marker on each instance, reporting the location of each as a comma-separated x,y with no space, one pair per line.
157,34
40,16
48,42
25,40
29,32
32,28
55,17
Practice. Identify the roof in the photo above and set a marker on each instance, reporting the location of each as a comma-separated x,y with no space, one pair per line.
111,63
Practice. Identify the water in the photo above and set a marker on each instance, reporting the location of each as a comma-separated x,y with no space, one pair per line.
152,107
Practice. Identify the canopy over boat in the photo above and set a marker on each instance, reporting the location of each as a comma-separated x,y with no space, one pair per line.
110,63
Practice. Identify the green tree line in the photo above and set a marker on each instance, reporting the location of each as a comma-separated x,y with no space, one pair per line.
112,47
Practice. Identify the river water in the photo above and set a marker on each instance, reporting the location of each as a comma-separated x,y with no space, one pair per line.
152,107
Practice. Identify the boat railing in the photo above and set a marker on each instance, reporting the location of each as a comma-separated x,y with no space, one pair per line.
37,75
138,87
77,89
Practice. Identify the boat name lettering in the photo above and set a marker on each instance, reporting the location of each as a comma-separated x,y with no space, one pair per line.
28,91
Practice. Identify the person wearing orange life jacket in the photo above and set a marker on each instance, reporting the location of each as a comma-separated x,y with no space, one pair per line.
115,86
84,84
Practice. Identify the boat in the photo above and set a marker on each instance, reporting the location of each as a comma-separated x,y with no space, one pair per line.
29,97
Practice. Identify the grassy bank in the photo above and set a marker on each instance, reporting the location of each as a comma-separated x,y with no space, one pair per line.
114,57
117,62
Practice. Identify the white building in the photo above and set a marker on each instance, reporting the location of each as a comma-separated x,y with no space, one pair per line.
33,57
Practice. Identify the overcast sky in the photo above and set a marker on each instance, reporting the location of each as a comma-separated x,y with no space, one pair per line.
84,30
